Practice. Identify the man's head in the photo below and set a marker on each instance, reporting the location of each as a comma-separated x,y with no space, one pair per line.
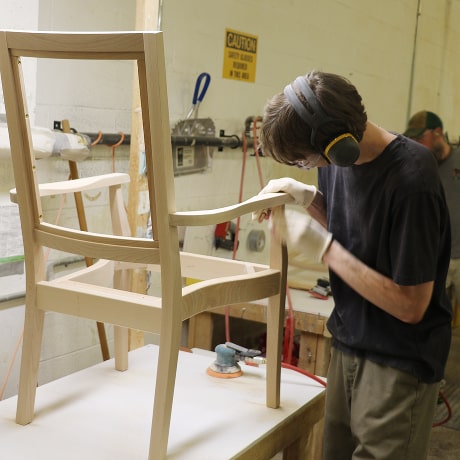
286,136
426,128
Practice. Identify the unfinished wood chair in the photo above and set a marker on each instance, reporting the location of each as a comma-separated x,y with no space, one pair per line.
222,281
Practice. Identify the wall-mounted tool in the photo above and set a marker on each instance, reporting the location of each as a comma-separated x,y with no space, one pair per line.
193,158
256,240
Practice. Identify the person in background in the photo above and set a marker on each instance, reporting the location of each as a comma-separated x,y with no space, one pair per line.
379,220
426,128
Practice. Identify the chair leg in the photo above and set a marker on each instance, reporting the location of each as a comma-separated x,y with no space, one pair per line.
30,360
164,391
121,280
275,323
121,339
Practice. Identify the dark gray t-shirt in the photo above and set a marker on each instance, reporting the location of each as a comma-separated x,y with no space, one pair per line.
449,170
391,214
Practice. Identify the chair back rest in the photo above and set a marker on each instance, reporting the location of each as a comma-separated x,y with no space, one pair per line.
146,50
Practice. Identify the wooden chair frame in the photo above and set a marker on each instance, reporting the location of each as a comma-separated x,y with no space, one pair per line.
223,282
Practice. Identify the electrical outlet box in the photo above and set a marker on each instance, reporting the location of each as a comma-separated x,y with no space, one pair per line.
189,159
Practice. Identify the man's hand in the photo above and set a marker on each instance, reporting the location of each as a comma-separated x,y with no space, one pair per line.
303,194
301,233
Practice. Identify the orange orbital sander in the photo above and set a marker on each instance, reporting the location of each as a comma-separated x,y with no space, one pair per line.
227,356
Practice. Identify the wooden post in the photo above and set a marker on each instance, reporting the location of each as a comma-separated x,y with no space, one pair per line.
84,227
138,212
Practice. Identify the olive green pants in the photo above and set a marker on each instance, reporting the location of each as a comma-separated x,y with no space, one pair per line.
376,412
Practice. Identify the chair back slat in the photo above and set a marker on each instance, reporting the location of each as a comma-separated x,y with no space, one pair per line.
76,45
98,246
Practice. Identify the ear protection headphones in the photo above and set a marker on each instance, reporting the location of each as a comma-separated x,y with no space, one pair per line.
343,150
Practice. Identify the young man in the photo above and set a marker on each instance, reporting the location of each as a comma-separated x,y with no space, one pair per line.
385,237
426,128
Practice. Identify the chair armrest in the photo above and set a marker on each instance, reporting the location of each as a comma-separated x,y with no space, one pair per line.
215,216
78,185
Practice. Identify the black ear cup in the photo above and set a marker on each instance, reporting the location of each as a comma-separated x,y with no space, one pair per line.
342,150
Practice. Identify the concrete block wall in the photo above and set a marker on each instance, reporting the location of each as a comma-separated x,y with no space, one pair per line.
402,56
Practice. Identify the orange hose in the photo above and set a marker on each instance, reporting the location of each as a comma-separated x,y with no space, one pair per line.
304,372
449,411
256,150
114,147
98,139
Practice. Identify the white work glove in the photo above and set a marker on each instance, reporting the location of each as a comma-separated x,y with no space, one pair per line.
302,234
303,194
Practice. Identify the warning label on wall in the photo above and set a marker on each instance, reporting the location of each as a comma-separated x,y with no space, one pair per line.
240,56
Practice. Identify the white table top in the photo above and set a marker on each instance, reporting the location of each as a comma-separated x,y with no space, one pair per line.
303,301
102,414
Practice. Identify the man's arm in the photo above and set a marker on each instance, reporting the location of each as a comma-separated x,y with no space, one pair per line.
317,209
406,303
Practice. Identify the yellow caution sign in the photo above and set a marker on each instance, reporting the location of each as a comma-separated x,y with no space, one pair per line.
240,56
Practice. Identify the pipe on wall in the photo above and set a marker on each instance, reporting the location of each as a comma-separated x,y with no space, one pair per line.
230,141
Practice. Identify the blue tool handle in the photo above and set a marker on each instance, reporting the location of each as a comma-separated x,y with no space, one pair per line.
207,79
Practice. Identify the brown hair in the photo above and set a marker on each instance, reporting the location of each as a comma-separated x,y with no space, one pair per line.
285,136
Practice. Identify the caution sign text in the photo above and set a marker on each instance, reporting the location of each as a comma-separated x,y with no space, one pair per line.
240,56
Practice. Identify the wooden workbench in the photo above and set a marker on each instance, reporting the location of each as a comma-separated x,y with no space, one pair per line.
310,316
103,414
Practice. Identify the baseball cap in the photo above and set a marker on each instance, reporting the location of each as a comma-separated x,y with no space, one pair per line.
420,122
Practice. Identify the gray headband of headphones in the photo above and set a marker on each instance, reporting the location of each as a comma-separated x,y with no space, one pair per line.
315,119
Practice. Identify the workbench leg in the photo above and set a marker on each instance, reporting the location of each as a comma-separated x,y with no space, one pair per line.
308,447
315,441
307,351
200,328
323,356
314,353
296,450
